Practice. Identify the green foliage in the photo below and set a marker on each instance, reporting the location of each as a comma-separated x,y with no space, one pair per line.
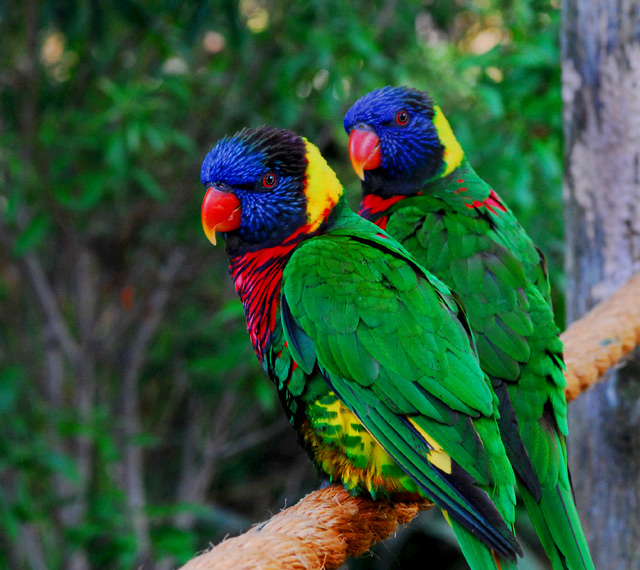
137,424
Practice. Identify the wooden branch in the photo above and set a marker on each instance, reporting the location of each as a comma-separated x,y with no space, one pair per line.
47,298
329,525
197,473
133,362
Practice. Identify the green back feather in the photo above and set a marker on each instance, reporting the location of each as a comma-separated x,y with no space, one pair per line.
500,278
392,345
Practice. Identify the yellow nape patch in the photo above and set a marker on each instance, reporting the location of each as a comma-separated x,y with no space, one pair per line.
438,456
323,188
453,153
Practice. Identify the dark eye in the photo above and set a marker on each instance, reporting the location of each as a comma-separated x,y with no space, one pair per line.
269,180
402,117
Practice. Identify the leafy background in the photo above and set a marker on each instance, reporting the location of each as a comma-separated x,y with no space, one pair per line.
136,424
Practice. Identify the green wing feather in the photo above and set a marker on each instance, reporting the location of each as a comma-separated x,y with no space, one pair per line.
500,277
390,346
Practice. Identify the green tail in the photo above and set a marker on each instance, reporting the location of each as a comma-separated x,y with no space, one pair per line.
542,417
556,521
478,556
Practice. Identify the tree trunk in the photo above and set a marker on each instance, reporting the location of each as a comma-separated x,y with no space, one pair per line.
601,94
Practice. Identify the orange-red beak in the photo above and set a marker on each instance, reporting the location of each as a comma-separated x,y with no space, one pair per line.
364,151
221,212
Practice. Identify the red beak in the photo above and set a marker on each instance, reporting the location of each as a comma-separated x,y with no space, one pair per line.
221,212
364,151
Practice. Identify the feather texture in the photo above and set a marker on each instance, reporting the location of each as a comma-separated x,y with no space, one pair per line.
372,357
461,230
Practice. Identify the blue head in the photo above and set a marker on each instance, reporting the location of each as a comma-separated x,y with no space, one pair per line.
398,139
264,170
259,188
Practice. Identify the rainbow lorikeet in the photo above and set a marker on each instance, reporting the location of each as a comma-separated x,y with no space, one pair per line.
371,355
417,183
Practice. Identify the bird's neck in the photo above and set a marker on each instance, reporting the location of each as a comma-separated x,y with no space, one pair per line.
388,187
257,276
375,208
460,185
453,155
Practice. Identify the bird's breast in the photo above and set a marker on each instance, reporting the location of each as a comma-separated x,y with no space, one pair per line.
344,449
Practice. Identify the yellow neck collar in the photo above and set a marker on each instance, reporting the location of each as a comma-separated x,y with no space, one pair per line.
453,153
323,189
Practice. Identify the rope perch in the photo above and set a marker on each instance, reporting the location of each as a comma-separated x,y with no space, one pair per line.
321,531
600,339
328,525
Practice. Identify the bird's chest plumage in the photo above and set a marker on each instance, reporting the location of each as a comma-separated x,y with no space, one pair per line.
346,452
333,436
337,442
257,277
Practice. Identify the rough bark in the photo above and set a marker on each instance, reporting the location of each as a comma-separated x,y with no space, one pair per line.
601,87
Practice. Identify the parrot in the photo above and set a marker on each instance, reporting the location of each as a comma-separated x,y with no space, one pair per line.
371,355
418,185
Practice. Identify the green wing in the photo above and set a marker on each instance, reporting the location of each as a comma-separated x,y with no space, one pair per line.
502,306
498,274
390,346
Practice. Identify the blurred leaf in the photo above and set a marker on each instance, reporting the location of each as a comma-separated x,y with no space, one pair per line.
149,185
32,236
62,464
9,388
266,395
492,98
172,541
